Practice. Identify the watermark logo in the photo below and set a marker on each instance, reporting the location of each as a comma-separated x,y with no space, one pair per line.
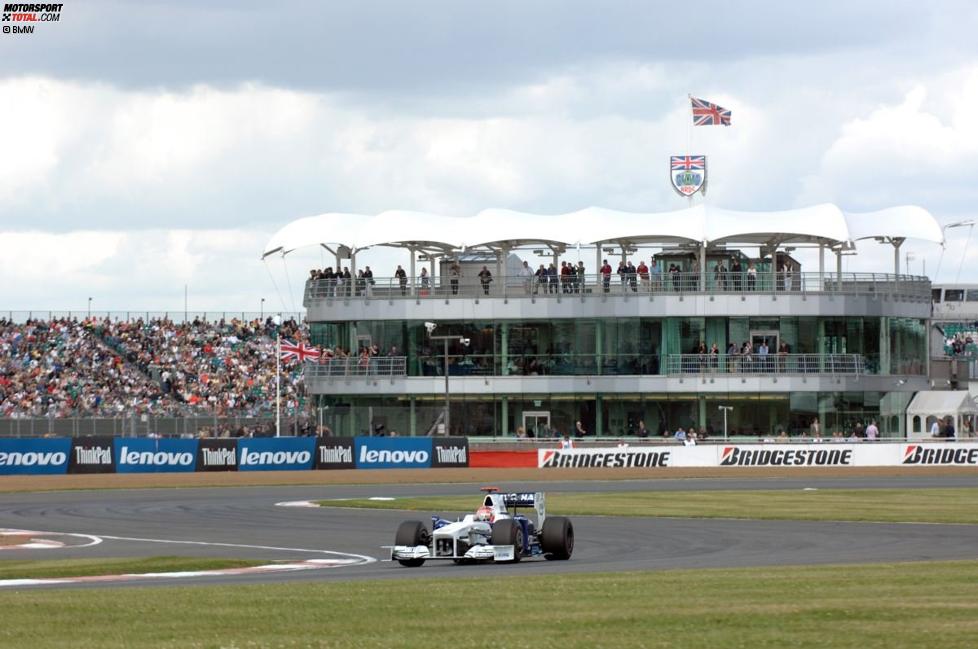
25,15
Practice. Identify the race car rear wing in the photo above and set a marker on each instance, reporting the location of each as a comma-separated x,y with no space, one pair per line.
526,499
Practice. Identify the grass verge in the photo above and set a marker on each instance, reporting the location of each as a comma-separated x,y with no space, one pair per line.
50,569
882,505
867,607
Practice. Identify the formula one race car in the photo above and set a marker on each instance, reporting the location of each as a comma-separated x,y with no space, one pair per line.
490,534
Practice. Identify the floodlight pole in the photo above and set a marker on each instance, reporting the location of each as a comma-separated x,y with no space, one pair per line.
448,412
725,409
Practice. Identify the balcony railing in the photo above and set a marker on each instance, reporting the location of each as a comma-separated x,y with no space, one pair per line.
591,365
766,364
591,286
357,366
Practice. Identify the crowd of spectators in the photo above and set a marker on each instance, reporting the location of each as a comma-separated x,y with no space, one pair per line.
961,343
105,368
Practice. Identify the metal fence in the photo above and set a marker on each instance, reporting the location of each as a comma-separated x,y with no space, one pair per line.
357,366
131,316
766,364
390,288
143,426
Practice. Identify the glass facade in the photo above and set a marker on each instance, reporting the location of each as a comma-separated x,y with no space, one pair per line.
617,415
627,346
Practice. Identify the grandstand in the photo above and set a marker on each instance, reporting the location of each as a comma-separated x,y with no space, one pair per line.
59,375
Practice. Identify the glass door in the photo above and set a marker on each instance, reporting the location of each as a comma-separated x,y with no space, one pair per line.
536,423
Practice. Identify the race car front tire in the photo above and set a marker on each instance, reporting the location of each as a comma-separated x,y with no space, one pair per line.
557,538
412,533
508,532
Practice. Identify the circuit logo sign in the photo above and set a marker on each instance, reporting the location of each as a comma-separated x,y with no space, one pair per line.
738,456
920,454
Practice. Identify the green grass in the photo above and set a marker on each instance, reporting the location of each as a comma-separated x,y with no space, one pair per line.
884,505
862,607
11,569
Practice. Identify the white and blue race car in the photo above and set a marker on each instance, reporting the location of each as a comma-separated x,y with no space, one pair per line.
490,534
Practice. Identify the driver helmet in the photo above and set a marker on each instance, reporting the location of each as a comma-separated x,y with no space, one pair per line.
485,513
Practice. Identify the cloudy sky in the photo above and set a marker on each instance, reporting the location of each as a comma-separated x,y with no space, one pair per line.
151,148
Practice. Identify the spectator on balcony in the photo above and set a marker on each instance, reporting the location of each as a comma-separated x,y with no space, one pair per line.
732,354
526,276
872,431
751,276
605,273
368,278
679,435
622,274
485,278
580,278
541,275
361,283
425,283
632,273
579,430
401,279
347,281
719,276
553,278
655,275
566,272
643,275
815,429
454,272
642,430
736,272
674,277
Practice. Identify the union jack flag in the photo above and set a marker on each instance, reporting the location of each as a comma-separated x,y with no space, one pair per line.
688,162
300,352
707,114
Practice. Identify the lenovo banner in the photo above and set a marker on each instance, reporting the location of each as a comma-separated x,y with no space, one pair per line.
217,454
448,452
275,453
91,455
140,455
34,456
335,453
392,452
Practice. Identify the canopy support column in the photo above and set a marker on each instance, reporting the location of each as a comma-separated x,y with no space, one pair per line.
702,282
412,274
838,269
821,267
897,242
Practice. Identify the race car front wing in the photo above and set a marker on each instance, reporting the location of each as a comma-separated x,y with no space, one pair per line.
475,553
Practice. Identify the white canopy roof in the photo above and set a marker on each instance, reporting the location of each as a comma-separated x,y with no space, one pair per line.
942,402
500,228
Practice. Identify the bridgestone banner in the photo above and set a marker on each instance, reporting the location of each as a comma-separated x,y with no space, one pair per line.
828,454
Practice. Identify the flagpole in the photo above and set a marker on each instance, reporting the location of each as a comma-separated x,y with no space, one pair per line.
689,145
278,379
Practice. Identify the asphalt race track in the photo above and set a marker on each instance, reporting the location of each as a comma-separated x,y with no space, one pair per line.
246,522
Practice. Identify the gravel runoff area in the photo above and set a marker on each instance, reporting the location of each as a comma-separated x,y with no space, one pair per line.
434,476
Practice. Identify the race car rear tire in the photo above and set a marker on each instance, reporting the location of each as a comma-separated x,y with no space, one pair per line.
412,533
557,538
508,532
